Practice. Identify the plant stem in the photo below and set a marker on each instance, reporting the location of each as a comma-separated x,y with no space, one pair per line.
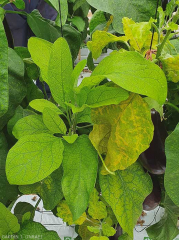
44,90
60,11
173,106
105,164
16,12
33,213
153,28
161,46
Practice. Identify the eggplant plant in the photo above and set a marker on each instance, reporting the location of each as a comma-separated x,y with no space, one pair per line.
95,153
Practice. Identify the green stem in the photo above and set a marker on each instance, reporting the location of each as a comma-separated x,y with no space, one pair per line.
173,106
156,29
44,90
105,164
6,2
33,213
16,12
90,125
161,46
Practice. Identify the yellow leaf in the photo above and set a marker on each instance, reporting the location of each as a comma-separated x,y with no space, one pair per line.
65,213
137,33
97,209
131,132
99,238
100,39
171,68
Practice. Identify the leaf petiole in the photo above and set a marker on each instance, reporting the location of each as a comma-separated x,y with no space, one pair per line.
113,173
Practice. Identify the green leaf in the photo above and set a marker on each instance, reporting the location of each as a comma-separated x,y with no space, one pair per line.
125,192
94,229
154,104
73,37
170,67
171,26
8,222
63,11
21,208
41,104
97,18
78,22
17,86
82,159
29,125
161,17
166,228
7,192
170,8
40,51
2,13
36,229
97,209
33,158
54,4
59,71
78,4
100,39
171,174
41,28
99,96
107,230
20,4
76,72
49,189
125,236
84,116
4,89
71,139
132,72
139,11
53,122
111,135
19,113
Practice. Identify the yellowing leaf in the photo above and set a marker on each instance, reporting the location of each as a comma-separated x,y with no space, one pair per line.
137,33
100,39
94,229
97,209
171,68
83,230
107,230
128,132
125,192
99,238
65,213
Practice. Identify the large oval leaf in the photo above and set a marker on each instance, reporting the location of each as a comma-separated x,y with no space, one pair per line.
132,72
172,167
4,89
125,192
8,222
80,165
33,158
120,137
60,70
135,9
